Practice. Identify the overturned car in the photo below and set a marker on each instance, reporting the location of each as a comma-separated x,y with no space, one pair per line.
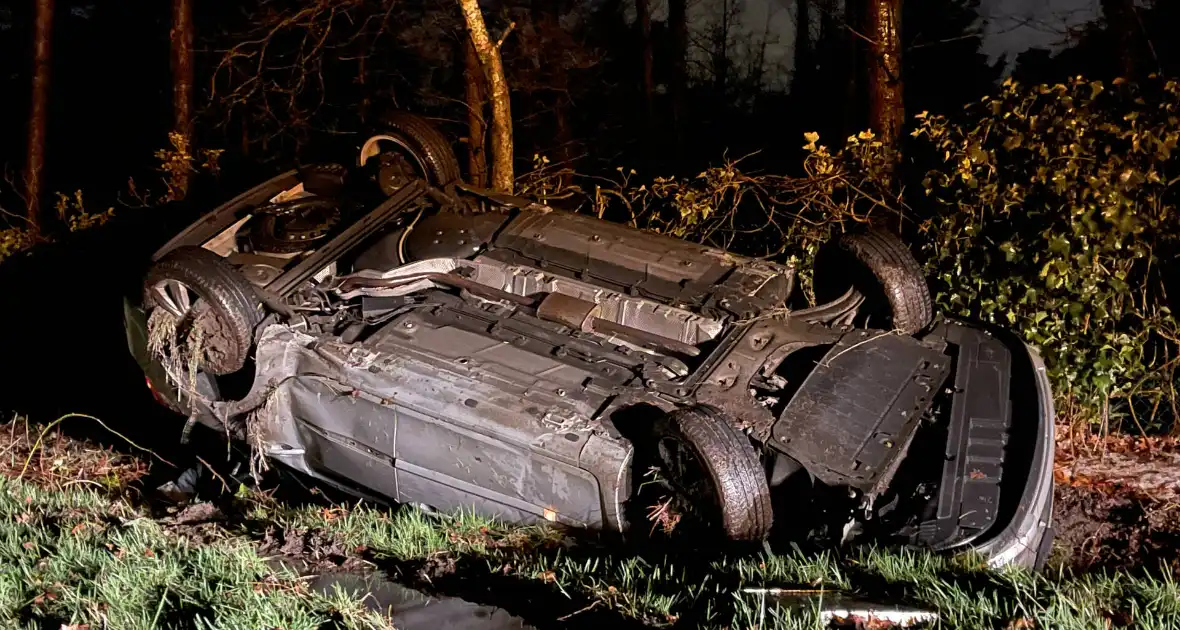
394,332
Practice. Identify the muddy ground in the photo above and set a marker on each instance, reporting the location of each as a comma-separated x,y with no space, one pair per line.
1105,530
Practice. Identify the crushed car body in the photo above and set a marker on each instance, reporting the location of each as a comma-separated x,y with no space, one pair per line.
399,334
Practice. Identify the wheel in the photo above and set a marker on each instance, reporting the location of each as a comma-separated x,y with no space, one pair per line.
410,146
880,267
714,480
203,292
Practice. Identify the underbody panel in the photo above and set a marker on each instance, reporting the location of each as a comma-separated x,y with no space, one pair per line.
418,432
854,416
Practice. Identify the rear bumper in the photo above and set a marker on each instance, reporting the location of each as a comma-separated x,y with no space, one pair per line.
1028,535
995,488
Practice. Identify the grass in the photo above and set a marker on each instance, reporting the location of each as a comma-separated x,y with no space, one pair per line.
662,590
73,557
80,553
46,457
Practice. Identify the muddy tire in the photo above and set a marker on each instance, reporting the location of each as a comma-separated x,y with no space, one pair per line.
225,303
736,480
878,265
430,148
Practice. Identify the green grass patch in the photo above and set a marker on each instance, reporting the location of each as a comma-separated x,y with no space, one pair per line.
72,557
661,589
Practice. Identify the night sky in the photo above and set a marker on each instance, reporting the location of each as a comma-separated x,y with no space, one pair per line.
1016,25
1013,26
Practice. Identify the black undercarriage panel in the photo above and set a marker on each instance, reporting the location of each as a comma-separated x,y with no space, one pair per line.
854,416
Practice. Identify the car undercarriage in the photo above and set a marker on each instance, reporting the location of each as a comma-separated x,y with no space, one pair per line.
390,330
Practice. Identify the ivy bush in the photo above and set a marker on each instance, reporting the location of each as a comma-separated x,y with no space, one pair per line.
14,240
1053,212
71,210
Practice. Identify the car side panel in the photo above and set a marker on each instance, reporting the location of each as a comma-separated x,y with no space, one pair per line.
507,473
417,438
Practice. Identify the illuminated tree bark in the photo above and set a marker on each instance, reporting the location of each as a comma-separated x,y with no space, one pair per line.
501,127
643,13
886,105
182,85
477,160
678,23
38,111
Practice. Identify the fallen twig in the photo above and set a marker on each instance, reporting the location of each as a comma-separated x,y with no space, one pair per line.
51,425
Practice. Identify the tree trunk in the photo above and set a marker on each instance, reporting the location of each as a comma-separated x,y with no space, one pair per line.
38,112
182,85
886,107
720,54
477,159
678,22
489,57
245,139
855,94
803,63
1121,22
643,17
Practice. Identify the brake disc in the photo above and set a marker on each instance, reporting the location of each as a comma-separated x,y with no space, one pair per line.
293,226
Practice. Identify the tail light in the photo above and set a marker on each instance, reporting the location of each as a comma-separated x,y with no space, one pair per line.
155,394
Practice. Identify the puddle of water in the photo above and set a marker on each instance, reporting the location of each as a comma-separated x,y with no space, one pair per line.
413,610
408,609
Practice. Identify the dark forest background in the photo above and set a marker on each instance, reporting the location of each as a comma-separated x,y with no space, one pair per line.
279,81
